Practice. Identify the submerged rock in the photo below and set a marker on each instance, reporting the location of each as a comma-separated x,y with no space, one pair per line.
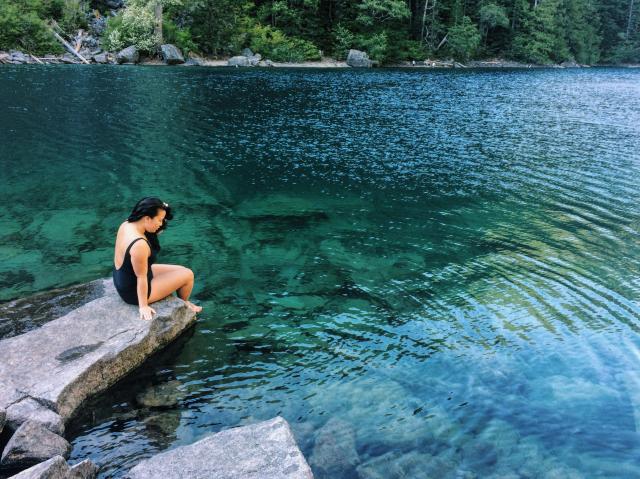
33,443
54,468
358,59
267,449
128,55
162,395
334,453
171,55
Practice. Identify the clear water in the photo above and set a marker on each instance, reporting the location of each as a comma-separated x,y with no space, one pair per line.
428,274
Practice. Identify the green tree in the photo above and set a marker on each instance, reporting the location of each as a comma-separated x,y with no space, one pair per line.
463,39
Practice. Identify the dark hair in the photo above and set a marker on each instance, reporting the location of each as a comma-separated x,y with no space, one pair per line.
149,206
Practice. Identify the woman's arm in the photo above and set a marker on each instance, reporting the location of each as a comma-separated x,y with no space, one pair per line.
139,254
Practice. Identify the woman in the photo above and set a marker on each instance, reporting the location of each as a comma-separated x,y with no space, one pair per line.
137,279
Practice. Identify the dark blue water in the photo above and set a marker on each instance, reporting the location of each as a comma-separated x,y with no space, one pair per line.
428,274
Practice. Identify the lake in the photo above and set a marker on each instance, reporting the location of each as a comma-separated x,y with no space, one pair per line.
426,273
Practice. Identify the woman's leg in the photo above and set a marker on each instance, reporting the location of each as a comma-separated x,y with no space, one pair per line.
174,278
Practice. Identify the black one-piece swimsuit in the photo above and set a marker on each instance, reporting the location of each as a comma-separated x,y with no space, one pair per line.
125,279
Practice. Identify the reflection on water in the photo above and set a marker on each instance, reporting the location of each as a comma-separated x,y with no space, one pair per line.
426,273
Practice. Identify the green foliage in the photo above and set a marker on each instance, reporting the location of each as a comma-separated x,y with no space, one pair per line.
73,15
492,16
541,41
180,37
377,11
376,45
273,44
343,41
22,26
132,26
463,39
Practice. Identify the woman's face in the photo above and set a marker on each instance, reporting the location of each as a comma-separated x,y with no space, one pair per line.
156,222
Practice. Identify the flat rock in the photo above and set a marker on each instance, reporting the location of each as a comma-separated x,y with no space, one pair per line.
25,314
85,351
83,470
31,444
28,409
263,450
54,468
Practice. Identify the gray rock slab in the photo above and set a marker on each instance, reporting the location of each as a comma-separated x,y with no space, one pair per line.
239,61
28,409
85,351
31,444
83,470
266,450
54,468
25,314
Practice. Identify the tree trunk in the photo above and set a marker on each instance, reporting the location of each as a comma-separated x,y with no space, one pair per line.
158,23
629,19
424,20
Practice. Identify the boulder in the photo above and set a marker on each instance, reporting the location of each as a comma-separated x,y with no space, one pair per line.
19,57
267,449
54,468
171,55
83,470
358,59
5,57
69,58
31,444
255,59
570,64
109,340
28,409
265,63
247,53
239,61
128,55
101,58
97,26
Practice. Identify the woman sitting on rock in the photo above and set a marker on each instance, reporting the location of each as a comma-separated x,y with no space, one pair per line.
137,279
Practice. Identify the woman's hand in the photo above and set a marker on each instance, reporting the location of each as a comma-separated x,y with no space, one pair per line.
147,312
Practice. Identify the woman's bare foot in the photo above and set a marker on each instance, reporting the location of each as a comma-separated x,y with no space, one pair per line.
193,307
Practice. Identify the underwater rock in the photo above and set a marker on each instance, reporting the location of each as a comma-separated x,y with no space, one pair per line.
161,395
396,465
54,468
28,409
334,453
31,444
265,449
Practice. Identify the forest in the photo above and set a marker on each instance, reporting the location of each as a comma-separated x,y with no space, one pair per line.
534,31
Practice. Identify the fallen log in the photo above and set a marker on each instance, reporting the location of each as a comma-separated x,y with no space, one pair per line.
65,43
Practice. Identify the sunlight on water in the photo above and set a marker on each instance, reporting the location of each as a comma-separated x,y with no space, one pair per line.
428,274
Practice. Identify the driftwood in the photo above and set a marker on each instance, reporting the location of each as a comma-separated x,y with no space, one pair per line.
36,59
65,43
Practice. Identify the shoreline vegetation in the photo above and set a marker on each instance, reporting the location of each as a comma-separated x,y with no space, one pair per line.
323,33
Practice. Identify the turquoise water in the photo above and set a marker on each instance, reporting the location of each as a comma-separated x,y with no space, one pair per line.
428,274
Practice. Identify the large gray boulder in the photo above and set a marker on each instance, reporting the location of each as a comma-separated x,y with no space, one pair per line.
264,450
239,61
28,409
358,59
54,468
171,55
31,444
83,470
89,349
128,55
101,58
19,57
